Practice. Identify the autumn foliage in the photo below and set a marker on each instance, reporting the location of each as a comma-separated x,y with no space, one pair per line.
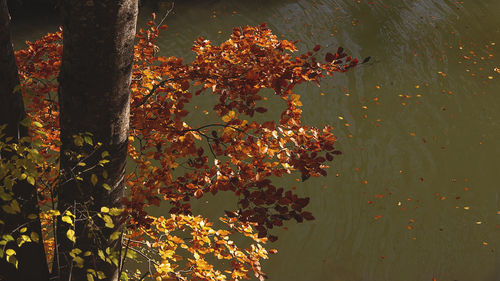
175,162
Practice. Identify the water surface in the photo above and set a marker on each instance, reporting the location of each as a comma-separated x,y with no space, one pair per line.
415,195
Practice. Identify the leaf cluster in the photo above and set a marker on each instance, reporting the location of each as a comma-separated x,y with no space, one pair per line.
176,162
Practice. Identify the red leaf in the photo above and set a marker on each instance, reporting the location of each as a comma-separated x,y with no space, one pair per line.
261,109
198,193
185,85
329,57
329,157
307,215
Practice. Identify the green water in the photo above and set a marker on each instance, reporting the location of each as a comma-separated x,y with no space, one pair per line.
415,195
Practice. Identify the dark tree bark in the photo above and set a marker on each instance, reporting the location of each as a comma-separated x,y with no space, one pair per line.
94,93
31,257
12,107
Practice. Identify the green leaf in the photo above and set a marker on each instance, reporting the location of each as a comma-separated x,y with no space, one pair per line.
8,209
93,179
13,260
78,140
30,180
124,276
34,237
106,186
17,88
131,255
26,122
101,255
88,140
32,216
104,154
101,275
15,206
8,237
37,124
90,277
115,235
114,260
5,196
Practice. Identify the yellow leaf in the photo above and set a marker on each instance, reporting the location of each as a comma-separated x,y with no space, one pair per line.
71,235
230,116
67,219
115,211
295,99
79,261
108,221
104,209
75,252
23,229
10,252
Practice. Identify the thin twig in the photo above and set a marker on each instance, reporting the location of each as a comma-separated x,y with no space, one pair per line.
165,16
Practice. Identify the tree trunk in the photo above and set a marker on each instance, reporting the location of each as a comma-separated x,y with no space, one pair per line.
94,93
32,264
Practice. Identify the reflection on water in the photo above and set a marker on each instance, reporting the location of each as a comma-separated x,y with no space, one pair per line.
415,194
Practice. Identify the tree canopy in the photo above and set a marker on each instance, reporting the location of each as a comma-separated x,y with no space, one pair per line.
172,161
